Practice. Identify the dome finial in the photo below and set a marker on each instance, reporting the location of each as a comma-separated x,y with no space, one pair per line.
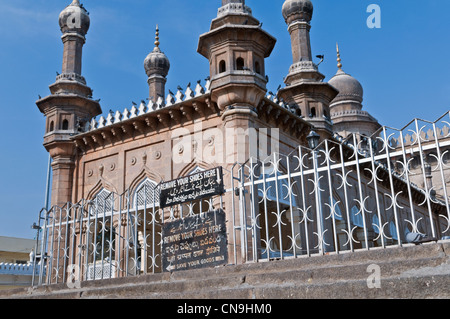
157,37
157,62
76,2
338,57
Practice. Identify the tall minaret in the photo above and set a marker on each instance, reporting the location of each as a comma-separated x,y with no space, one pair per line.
236,47
304,86
70,105
74,22
157,66
298,15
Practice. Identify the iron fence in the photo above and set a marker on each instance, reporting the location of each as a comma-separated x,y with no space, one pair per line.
346,194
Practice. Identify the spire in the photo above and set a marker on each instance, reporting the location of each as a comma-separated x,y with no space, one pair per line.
157,38
338,57
157,66
346,108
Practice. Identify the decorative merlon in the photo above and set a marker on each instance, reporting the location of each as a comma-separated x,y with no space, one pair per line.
143,108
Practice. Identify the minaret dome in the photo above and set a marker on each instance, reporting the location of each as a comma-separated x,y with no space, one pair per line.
157,62
297,10
157,68
74,18
350,89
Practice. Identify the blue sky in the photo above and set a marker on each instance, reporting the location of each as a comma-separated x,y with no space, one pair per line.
403,67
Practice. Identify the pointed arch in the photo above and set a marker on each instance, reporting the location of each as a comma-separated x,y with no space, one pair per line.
145,173
101,184
194,167
103,201
196,170
146,194
143,187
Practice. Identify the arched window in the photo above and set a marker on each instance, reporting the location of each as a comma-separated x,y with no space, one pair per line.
103,202
313,112
240,64
257,67
103,240
65,125
222,66
52,126
146,195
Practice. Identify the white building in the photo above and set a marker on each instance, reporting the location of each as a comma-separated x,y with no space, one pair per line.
16,270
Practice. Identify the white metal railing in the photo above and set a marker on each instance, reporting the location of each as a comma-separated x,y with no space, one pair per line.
346,194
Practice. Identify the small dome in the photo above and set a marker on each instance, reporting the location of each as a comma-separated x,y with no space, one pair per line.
157,62
298,9
74,18
349,88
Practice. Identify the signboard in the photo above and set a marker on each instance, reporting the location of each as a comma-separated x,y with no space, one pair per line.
196,186
195,242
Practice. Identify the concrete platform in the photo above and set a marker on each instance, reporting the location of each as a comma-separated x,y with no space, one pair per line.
410,272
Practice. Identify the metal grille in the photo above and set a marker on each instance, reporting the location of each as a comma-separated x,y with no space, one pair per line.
99,271
102,202
146,194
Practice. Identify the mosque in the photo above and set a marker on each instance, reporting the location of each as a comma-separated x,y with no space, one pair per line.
117,161
236,47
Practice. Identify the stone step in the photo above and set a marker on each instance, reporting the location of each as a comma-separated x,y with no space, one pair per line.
418,268
421,287
373,256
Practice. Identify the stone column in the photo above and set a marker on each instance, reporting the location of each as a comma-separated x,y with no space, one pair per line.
72,56
156,84
239,126
300,39
62,168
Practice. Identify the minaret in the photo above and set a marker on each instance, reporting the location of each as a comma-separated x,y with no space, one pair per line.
157,67
236,47
298,15
70,105
304,87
